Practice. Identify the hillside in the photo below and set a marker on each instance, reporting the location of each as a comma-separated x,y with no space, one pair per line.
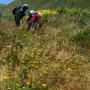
47,4
55,57
85,4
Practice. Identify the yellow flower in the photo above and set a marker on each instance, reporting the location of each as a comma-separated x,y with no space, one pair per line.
61,89
9,88
22,61
28,83
4,60
5,77
33,65
48,11
17,84
69,69
23,87
44,85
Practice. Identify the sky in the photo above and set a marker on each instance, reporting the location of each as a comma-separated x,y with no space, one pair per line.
5,1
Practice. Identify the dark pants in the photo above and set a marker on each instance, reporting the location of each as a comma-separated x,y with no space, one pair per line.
18,20
34,25
30,23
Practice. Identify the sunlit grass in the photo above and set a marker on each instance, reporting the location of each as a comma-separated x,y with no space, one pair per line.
49,59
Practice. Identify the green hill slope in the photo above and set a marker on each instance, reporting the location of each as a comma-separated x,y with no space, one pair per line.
56,57
46,4
85,4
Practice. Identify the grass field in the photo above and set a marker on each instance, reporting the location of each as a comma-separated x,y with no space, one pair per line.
56,57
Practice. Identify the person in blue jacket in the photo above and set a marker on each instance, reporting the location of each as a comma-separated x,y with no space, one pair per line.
19,13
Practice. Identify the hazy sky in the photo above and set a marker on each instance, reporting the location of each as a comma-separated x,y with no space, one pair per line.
5,1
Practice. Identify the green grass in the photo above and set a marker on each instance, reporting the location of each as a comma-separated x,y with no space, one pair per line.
54,58
48,4
41,4
83,38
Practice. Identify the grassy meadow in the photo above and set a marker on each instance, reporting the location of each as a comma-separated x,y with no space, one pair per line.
56,57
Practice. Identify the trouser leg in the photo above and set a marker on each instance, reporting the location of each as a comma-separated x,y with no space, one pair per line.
30,23
17,20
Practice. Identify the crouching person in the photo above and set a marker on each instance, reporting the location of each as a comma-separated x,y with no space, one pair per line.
33,20
19,13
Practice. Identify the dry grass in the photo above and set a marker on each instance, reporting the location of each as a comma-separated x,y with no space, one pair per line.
48,57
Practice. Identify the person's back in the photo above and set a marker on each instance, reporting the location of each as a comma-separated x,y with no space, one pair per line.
19,13
33,18
36,17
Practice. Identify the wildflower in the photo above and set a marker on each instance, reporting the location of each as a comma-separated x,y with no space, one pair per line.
23,87
5,77
9,88
22,61
28,83
69,69
17,84
4,60
8,46
61,89
33,65
44,85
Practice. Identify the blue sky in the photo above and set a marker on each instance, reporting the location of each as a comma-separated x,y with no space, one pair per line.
5,1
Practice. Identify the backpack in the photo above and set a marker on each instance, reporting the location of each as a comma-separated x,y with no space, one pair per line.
14,11
17,10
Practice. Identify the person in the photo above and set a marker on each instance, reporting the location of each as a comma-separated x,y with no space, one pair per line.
19,13
34,17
